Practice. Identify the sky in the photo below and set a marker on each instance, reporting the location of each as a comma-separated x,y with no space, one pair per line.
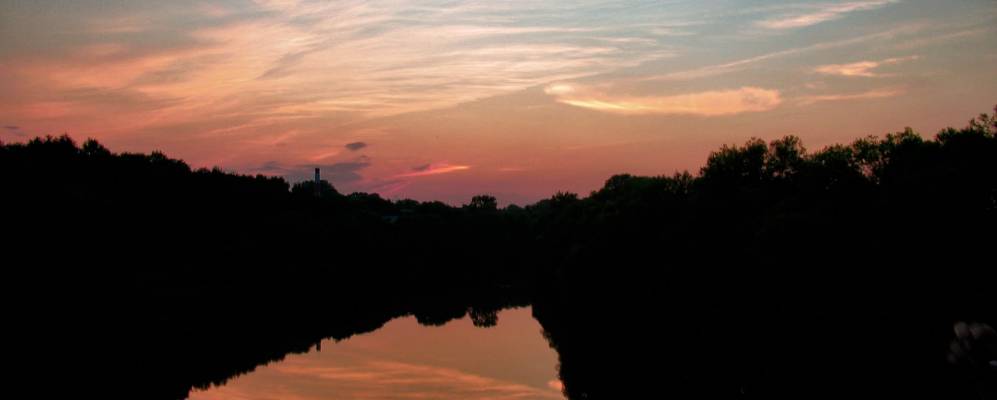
403,360
443,100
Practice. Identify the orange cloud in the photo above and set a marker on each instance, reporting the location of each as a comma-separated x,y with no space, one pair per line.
871,94
861,68
433,169
709,103
292,81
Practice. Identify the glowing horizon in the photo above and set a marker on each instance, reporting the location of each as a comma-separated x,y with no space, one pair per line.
445,100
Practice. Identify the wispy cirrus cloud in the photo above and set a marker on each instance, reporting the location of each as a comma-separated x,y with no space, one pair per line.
821,12
706,103
868,94
378,59
274,61
737,65
238,83
861,68
433,169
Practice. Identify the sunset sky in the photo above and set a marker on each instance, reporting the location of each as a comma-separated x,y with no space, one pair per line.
518,99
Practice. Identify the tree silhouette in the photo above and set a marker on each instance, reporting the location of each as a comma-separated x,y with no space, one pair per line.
773,272
483,203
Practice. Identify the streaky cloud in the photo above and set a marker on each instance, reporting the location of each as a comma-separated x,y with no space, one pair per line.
707,104
741,64
869,94
821,13
860,68
433,169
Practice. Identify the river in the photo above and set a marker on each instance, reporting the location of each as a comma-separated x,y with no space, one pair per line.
406,360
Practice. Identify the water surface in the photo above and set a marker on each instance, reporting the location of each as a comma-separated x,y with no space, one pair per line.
405,360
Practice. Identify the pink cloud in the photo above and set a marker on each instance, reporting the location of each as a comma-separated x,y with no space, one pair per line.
434,169
861,68
870,94
708,103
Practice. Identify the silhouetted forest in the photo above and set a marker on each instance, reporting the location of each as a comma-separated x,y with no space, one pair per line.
863,269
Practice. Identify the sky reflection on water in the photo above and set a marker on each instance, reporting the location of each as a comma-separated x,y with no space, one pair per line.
404,360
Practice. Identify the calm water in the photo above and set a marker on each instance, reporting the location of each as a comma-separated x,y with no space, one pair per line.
404,360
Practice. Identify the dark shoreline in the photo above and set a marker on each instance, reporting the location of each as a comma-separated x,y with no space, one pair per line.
774,272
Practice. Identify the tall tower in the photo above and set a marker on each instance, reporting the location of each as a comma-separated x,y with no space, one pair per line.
318,180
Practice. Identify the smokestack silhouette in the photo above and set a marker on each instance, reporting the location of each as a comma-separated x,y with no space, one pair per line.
317,180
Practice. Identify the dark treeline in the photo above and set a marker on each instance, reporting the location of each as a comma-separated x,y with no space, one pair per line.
170,278
778,273
773,272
